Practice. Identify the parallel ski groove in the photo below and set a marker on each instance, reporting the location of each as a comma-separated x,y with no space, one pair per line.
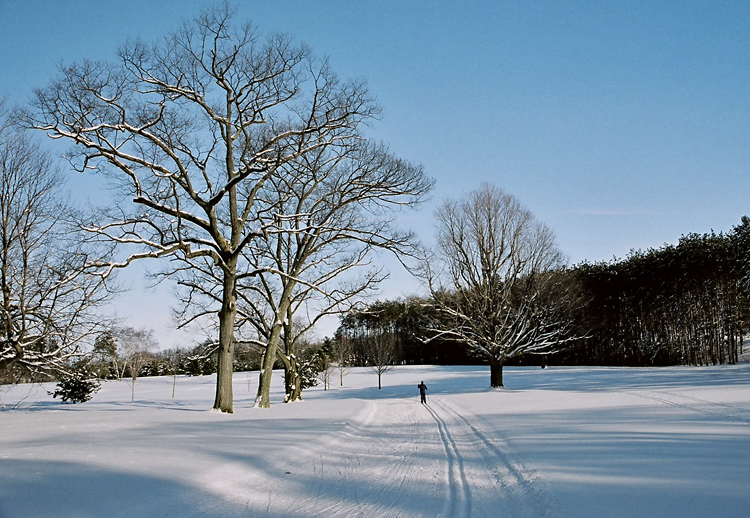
529,500
458,504
655,396
401,462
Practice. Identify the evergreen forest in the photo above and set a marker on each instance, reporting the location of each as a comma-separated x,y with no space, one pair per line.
681,304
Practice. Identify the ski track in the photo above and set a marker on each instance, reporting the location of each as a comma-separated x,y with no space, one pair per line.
355,471
519,494
695,405
458,503
442,461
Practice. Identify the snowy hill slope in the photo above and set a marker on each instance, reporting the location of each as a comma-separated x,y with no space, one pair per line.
560,442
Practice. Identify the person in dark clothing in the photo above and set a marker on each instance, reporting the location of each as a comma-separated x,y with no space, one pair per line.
423,392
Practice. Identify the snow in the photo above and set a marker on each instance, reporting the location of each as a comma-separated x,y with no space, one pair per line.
558,442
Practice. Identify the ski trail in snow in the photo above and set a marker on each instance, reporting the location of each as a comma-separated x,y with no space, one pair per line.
375,467
669,398
398,458
458,504
727,406
519,491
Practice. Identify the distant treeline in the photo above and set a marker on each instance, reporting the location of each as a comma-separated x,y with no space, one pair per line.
195,361
406,321
683,304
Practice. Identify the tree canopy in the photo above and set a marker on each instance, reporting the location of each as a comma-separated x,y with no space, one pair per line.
204,132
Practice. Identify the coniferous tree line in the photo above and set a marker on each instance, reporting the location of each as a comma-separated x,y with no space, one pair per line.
404,320
683,304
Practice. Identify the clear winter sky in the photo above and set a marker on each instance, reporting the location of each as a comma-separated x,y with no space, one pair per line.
620,124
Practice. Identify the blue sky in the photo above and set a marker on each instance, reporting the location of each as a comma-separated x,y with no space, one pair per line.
622,125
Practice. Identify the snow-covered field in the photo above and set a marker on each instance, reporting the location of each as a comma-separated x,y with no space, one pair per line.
560,442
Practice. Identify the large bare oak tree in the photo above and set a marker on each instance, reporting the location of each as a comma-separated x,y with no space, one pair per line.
493,279
49,299
334,207
194,128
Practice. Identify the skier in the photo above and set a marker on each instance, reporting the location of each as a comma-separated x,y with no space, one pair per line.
423,392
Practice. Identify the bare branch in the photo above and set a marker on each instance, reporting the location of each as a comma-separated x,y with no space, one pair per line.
494,280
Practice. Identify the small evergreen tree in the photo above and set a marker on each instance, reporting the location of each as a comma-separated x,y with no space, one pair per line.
308,372
78,387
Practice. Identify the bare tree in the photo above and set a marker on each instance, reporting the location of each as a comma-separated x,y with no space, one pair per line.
49,299
341,209
342,354
192,128
493,279
334,207
381,351
175,358
134,347
325,376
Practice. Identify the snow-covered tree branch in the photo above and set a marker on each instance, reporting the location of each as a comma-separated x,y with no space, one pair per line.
333,208
494,280
193,129
50,294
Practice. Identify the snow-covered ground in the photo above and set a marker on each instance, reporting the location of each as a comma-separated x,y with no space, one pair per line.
560,442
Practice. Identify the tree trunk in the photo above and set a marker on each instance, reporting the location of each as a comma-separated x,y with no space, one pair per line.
292,383
224,396
292,380
496,373
263,399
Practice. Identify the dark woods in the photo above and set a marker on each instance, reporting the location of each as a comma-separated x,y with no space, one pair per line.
405,324
683,304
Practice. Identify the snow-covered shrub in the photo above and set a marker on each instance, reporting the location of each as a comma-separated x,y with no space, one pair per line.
78,387
308,373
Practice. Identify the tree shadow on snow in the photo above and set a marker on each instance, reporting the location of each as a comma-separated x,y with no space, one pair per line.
475,379
83,491
625,378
